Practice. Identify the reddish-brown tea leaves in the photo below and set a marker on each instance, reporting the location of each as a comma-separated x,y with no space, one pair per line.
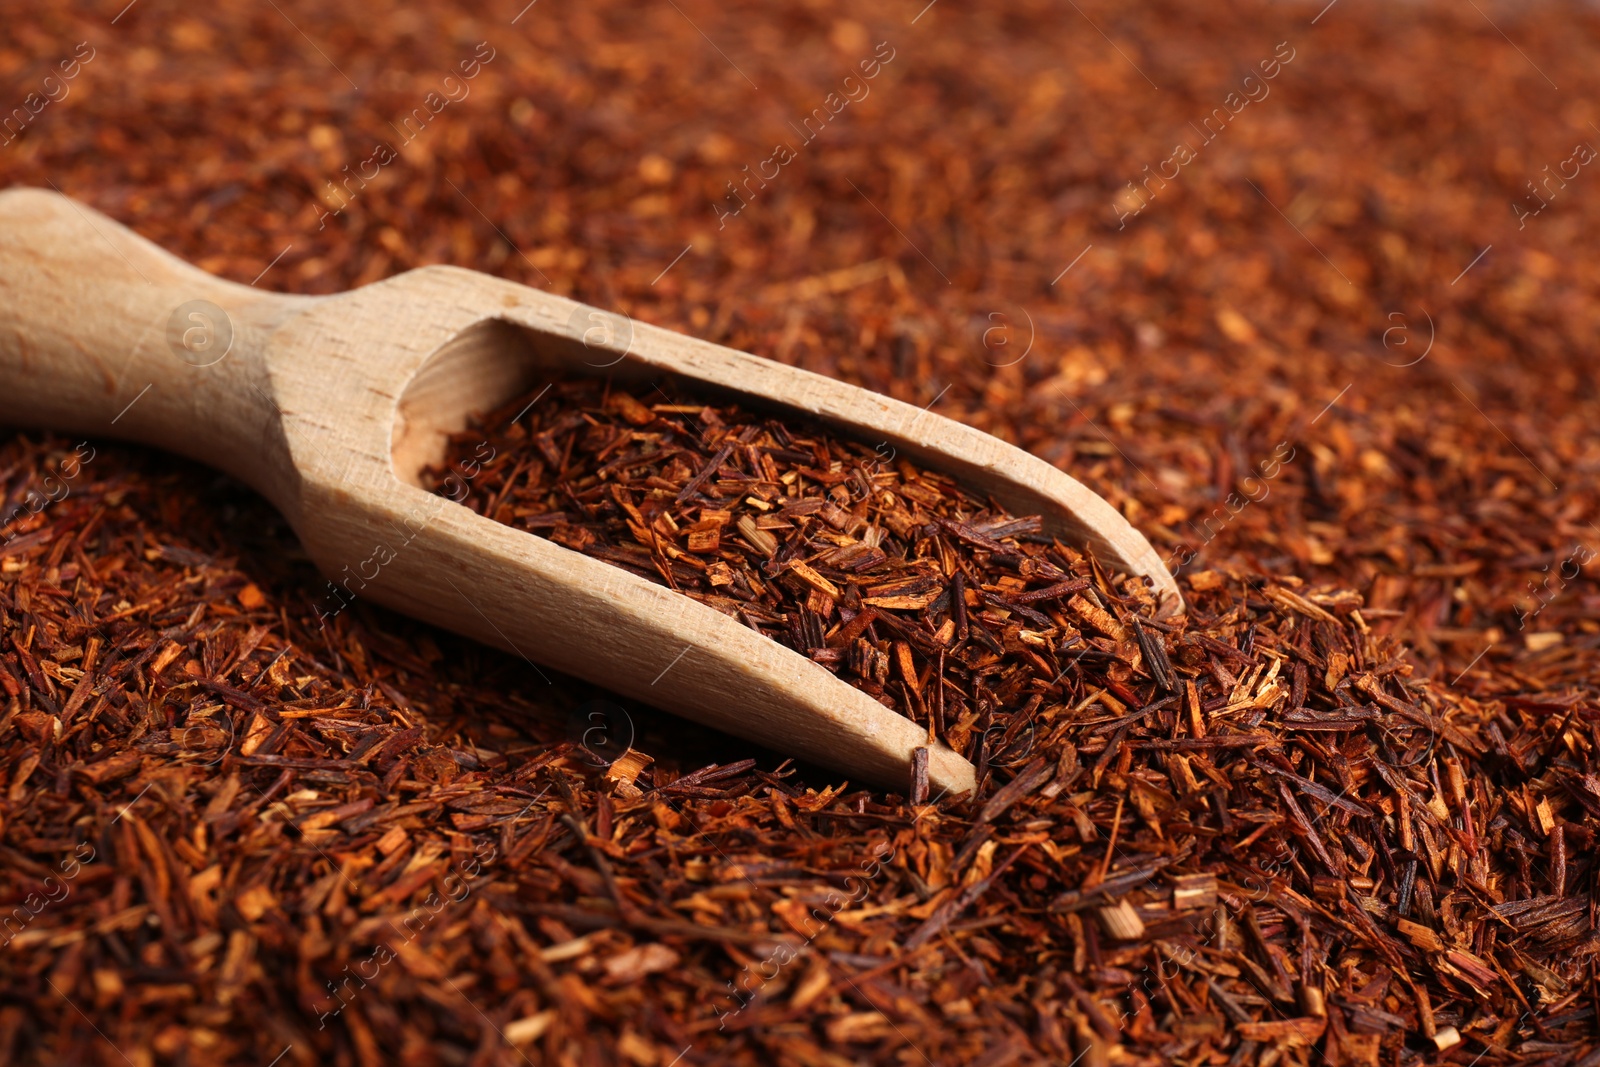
1266,747
1207,350
888,575
1249,814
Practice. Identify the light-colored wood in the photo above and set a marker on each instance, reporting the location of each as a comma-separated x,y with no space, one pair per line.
330,407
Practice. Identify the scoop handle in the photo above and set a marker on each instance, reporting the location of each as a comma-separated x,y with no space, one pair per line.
102,333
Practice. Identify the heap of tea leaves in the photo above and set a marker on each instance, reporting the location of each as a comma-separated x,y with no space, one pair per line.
938,604
1253,794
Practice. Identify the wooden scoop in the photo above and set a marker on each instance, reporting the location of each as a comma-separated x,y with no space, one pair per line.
332,406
